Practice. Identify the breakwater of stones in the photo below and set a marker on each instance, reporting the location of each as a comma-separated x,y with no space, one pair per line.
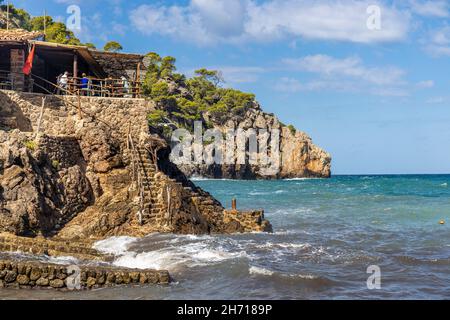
28,275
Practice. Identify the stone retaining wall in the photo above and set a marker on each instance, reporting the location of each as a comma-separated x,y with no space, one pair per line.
44,275
61,118
64,152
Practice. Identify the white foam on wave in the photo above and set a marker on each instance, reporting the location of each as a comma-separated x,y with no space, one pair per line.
258,193
302,179
260,271
266,272
283,232
114,245
286,245
200,178
173,257
149,260
304,276
444,184
64,260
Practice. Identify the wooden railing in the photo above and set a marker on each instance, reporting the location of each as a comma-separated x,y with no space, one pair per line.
116,88
137,175
6,80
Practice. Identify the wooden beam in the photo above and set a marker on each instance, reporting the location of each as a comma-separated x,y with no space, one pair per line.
75,65
138,78
41,114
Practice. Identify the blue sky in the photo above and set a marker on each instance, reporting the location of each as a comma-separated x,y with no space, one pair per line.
376,96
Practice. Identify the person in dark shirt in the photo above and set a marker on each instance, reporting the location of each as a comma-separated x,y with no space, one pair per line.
84,85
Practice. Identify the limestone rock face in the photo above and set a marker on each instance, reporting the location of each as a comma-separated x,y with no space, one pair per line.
36,194
299,156
302,158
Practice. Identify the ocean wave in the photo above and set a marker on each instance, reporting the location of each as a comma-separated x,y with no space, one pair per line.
174,257
409,260
302,179
114,245
63,260
285,245
198,178
260,271
258,193
262,193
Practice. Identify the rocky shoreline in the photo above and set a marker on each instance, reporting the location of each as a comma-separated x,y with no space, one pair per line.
91,173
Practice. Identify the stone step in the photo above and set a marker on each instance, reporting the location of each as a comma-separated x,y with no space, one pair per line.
148,164
147,172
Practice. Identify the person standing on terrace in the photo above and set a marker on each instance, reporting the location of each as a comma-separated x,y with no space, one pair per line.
84,85
63,82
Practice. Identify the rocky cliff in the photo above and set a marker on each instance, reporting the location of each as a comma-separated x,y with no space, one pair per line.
97,171
299,157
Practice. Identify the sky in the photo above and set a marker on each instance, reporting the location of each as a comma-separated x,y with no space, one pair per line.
367,80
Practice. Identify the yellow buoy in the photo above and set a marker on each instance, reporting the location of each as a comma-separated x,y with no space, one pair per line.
442,222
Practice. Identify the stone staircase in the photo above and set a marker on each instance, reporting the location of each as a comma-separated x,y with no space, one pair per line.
156,207
147,169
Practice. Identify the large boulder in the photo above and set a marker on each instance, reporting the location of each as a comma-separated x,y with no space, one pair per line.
36,194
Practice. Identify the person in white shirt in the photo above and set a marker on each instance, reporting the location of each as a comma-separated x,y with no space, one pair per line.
64,81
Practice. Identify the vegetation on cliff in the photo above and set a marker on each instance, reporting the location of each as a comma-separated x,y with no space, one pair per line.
180,101
184,101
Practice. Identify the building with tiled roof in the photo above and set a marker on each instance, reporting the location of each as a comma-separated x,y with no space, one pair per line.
52,59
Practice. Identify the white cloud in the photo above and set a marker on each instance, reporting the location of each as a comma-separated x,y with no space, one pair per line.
292,85
343,75
426,84
69,2
207,22
439,42
236,74
351,67
119,29
436,100
435,8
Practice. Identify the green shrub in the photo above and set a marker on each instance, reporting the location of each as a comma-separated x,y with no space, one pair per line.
156,117
31,145
159,90
292,129
55,164
167,132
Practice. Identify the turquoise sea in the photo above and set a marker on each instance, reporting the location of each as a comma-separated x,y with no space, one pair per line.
327,232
